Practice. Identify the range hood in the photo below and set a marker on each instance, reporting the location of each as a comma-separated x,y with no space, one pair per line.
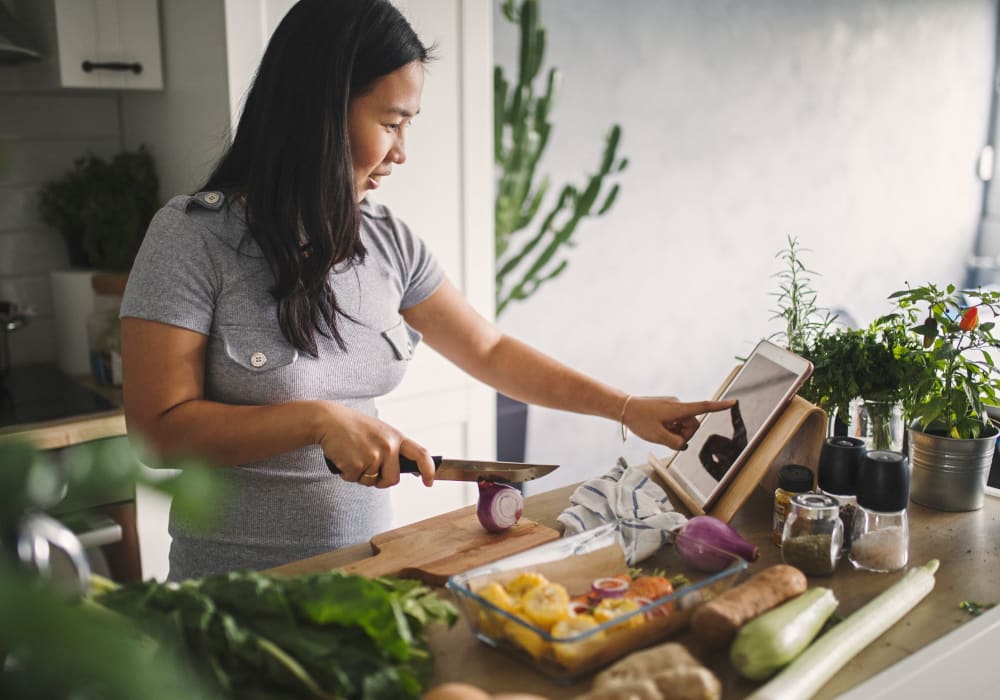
15,46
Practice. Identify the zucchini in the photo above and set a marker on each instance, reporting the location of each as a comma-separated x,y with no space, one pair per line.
771,641
816,665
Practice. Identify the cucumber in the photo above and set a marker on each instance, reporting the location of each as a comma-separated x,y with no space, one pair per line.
771,641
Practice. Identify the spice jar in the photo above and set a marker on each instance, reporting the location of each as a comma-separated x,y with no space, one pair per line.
881,533
839,461
813,534
792,479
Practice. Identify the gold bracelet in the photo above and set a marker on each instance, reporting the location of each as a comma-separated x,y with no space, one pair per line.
622,419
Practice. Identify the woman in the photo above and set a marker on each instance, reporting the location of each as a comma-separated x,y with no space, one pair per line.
265,313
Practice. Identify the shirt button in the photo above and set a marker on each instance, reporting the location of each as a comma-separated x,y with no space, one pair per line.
258,359
212,198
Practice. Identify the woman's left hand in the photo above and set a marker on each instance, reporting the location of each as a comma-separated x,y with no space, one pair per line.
666,420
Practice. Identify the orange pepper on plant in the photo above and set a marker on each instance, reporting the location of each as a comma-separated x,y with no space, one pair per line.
970,319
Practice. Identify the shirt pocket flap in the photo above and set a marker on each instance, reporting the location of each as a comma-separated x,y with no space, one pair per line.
258,349
402,339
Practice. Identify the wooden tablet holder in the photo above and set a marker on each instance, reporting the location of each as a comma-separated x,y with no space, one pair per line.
796,437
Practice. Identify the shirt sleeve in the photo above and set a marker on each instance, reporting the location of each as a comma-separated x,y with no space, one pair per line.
173,279
422,273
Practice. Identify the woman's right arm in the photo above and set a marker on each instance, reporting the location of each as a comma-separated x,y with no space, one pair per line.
163,377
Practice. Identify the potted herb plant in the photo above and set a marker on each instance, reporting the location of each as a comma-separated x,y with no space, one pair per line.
865,377
952,439
102,209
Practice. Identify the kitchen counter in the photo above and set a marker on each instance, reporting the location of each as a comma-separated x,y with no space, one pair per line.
51,410
967,545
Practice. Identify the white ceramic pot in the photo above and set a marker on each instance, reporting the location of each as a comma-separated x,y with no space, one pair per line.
72,303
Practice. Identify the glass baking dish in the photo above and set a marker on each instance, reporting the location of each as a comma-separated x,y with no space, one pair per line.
576,562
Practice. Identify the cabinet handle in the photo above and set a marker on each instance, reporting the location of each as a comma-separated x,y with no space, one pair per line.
89,66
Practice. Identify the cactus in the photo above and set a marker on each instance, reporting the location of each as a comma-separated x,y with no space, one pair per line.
521,133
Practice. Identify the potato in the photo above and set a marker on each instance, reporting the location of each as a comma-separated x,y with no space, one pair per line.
643,665
632,690
716,622
464,691
688,683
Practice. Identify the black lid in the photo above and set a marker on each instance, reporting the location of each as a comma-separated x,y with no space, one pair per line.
795,478
839,460
884,481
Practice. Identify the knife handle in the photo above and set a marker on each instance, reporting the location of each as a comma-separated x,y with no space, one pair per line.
406,465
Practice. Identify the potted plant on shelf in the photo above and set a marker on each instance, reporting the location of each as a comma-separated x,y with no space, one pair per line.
531,233
102,209
952,439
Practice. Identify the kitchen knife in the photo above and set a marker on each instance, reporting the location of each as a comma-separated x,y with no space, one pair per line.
472,470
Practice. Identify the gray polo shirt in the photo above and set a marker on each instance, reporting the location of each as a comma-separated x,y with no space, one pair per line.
199,269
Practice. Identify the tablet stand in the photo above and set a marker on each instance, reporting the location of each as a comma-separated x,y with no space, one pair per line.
796,437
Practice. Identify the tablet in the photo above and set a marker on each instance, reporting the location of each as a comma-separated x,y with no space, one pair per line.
763,386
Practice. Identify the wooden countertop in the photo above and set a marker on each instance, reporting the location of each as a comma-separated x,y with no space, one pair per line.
73,430
967,545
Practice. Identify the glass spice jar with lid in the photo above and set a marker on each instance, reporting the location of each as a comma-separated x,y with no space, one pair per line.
813,534
881,532
792,479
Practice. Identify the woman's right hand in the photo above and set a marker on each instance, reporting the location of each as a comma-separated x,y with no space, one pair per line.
366,450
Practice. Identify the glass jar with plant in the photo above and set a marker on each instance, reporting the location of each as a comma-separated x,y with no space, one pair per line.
863,377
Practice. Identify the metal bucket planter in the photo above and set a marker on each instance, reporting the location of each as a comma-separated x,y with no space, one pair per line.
950,474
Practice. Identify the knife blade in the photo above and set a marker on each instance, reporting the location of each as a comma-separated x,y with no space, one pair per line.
473,470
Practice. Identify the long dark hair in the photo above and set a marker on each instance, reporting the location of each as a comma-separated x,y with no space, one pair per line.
291,158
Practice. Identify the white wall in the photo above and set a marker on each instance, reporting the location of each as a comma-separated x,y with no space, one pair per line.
853,125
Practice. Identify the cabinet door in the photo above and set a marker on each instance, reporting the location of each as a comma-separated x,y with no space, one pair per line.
109,44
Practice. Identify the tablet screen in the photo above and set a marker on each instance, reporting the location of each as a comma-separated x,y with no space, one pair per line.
762,388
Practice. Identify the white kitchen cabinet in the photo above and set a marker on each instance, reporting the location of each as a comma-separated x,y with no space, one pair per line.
96,44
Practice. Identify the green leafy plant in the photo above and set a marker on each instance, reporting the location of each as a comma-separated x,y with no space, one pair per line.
52,646
526,260
879,364
961,376
327,635
805,322
103,208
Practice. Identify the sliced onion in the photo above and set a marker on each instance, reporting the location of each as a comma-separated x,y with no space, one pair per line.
709,544
611,587
500,506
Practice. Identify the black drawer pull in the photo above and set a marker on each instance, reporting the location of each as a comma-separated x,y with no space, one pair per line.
90,66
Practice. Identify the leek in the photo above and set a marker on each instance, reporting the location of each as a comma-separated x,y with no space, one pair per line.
816,665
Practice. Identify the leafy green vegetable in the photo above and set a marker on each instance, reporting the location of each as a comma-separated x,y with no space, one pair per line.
52,647
331,635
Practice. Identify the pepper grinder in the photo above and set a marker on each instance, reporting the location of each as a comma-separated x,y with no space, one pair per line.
881,535
839,461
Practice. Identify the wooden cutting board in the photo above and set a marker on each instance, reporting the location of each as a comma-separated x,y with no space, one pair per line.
433,549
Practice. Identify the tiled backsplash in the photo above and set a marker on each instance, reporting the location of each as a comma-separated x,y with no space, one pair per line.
40,136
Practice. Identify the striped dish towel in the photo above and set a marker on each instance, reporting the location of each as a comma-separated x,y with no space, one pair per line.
628,496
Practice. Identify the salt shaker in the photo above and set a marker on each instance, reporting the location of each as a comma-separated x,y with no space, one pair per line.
881,533
813,534
839,461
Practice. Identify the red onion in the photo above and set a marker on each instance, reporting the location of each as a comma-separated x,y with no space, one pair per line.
500,506
609,587
700,539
